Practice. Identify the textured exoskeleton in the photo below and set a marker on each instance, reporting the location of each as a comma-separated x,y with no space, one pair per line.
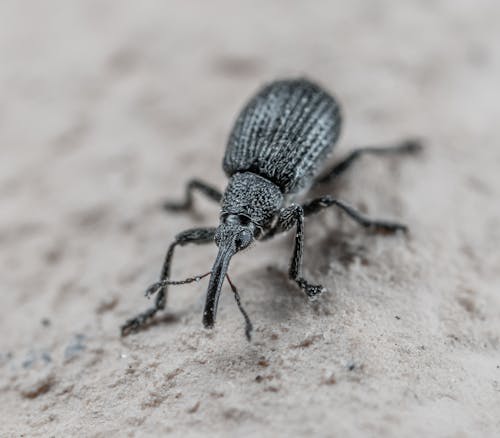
278,144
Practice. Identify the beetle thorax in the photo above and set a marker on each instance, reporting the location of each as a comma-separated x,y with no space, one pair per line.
251,196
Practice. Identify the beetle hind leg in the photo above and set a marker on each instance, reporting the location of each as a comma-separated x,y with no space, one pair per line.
408,146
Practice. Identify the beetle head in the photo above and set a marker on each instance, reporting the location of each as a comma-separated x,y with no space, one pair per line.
234,234
249,205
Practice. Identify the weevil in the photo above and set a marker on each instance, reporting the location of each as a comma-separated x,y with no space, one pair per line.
275,151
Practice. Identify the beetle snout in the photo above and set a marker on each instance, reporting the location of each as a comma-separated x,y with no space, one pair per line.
230,237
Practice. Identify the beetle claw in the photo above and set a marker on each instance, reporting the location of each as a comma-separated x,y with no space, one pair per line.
313,292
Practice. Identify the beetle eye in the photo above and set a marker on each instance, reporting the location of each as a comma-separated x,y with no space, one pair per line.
230,219
243,240
244,220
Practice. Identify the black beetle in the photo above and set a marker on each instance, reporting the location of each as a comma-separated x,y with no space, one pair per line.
276,147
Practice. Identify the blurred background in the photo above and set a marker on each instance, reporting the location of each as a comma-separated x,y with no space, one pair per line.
108,108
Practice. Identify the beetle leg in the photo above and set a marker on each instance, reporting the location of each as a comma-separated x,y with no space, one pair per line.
194,185
404,147
248,323
319,204
197,236
290,216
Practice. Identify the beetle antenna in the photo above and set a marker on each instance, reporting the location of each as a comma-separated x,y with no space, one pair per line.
248,323
155,287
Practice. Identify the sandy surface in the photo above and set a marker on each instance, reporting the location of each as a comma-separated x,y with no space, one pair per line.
107,108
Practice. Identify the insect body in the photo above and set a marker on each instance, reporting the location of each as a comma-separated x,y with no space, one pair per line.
277,145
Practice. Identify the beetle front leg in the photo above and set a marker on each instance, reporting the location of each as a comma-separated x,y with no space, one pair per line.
194,185
290,216
197,236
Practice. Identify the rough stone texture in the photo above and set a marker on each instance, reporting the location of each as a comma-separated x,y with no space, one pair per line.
107,108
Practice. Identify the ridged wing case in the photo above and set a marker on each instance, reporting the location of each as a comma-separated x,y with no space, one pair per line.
284,133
